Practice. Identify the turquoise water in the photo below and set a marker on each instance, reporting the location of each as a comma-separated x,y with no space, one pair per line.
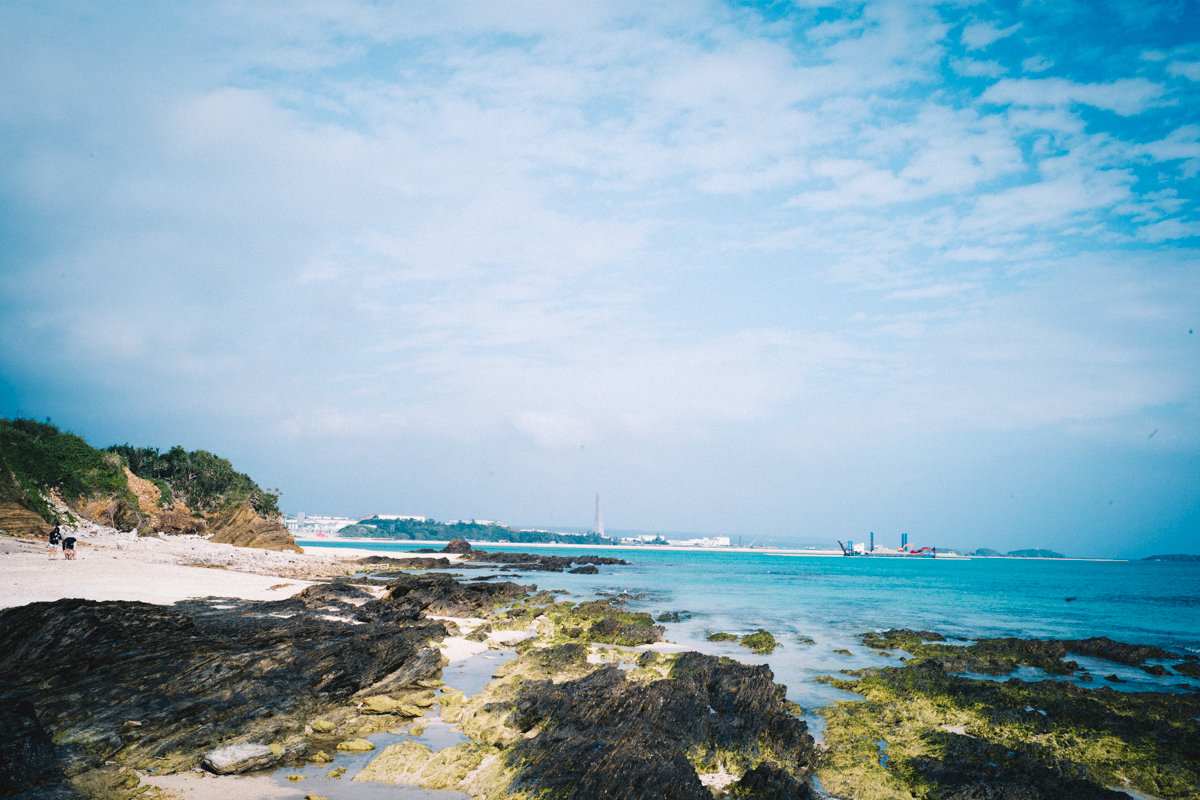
833,600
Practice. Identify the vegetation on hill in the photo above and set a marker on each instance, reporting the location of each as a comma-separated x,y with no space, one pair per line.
432,530
1172,557
203,481
37,458
1035,554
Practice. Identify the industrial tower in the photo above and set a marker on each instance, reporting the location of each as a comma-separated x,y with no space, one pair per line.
599,517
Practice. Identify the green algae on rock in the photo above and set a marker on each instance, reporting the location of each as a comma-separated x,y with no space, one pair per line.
944,734
721,636
760,642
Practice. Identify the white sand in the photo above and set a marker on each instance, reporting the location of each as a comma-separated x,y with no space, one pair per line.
203,786
115,565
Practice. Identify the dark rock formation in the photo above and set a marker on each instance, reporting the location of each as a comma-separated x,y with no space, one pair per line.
606,737
29,761
457,546
1002,656
535,562
769,782
586,569
444,596
240,526
975,769
152,686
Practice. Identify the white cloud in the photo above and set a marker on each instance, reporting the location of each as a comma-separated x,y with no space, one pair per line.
1036,63
1186,69
1127,96
981,34
972,68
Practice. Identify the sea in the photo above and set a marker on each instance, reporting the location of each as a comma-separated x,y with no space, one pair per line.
832,601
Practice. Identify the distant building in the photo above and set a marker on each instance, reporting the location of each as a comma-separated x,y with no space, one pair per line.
710,541
397,516
314,525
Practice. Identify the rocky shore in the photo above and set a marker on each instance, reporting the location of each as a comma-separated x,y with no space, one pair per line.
108,698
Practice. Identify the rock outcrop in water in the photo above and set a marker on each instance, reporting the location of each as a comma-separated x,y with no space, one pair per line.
1002,656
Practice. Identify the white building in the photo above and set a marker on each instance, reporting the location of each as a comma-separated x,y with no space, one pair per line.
316,524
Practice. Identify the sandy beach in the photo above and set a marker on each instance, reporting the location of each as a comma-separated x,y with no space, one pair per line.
115,565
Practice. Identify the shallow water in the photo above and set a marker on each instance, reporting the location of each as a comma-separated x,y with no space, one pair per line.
833,600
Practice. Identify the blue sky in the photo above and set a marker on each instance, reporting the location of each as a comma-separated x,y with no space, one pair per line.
772,270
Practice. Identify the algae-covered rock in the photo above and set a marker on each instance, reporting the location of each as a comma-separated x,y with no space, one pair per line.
335,774
1188,668
323,726
382,704
843,652
297,778
721,636
450,766
761,642
239,758
952,737
314,797
398,763
355,746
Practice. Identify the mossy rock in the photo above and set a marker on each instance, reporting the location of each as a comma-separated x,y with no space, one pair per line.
314,797
805,639
356,746
760,642
448,767
398,763
297,778
335,774
722,637
323,726
380,704
843,652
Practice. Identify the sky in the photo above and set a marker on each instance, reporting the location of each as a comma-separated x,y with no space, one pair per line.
793,272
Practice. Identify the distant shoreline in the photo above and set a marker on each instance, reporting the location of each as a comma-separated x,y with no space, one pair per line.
350,543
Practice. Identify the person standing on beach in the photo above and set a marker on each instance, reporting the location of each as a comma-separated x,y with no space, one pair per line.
52,547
